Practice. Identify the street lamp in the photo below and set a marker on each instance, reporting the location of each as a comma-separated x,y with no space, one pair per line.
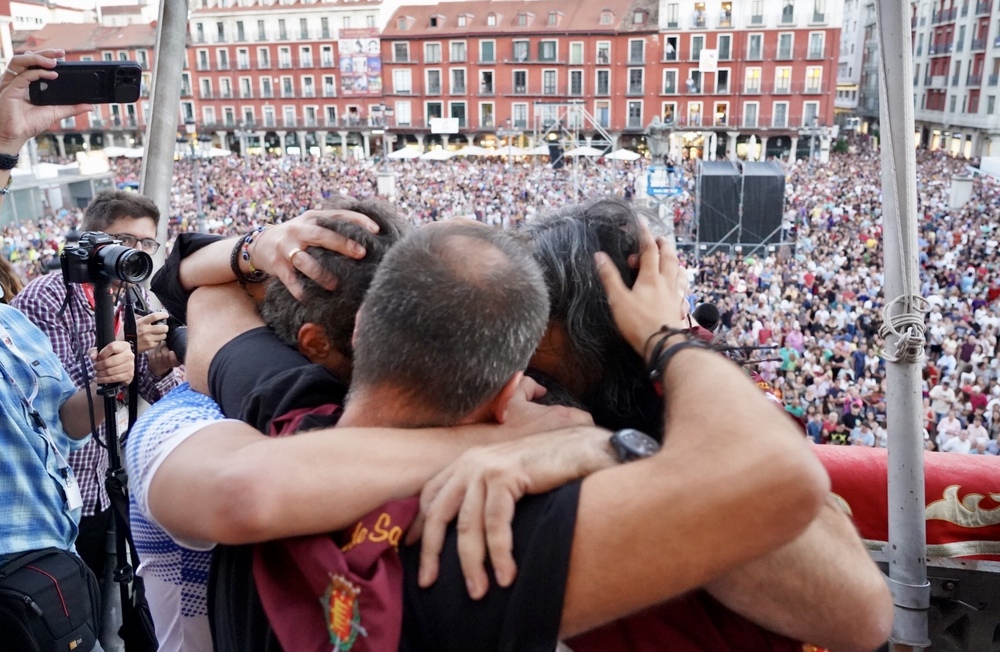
510,134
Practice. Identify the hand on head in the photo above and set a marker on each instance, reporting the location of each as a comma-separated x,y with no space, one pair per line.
20,120
280,250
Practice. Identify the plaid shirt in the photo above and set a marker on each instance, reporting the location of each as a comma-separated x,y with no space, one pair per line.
32,467
41,300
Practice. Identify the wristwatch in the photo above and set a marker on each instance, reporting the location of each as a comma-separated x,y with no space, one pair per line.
630,444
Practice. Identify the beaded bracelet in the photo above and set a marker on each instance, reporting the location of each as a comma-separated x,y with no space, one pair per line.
242,250
659,366
666,333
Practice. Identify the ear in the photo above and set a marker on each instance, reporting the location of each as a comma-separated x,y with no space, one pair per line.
506,395
313,342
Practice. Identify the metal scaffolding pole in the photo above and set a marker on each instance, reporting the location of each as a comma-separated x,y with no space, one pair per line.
903,328
161,130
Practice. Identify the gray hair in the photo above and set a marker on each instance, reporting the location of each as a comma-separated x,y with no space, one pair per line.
335,309
564,243
454,312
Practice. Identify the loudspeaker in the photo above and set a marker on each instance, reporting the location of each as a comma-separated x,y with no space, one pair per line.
763,202
556,155
718,202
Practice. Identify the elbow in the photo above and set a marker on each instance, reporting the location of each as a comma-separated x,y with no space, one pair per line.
803,483
873,623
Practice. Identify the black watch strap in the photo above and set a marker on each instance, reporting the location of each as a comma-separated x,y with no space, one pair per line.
8,162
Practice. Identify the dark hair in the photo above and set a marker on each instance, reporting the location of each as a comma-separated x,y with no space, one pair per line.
335,309
454,312
111,205
564,243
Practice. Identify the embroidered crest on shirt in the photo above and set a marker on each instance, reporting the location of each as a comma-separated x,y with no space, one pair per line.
343,615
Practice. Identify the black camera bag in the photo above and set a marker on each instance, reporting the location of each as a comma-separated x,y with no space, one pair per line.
49,602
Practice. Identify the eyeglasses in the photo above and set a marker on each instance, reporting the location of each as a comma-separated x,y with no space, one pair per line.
149,245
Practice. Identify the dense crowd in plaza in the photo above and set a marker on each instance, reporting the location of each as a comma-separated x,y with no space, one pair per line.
817,305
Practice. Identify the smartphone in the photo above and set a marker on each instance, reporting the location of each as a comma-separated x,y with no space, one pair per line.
92,82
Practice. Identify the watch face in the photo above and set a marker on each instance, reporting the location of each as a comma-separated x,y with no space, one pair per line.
636,443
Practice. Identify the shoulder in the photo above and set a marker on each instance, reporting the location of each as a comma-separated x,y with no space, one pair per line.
42,290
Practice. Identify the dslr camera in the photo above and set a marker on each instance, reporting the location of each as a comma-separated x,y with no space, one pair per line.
97,258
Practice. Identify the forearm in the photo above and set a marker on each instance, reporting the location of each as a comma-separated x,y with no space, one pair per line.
215,316
75,413
823,588
208,266
230,484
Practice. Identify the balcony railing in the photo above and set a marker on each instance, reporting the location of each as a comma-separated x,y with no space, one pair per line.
983,7
205,94
993,80
246,95
954,80
486,89
267,94
264,64
782,89
818,18
326,62
203,66
973,80
978,44
458,89
698,20
634,89
757,19
285,65
223,65
946,16
308,92
243,65
751,89
305,63
725,19
269,121
226,95
669,89
329,91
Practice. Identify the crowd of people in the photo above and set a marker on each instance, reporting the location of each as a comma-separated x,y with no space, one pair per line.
815,305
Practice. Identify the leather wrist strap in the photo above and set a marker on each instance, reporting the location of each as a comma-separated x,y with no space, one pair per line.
8,162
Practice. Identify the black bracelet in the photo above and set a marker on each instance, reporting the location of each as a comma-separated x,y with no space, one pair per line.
234,263
666,333
659,365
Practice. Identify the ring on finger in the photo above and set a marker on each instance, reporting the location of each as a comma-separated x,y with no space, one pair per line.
292,252
8,71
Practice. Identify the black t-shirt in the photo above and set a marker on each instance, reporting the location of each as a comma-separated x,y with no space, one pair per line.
246,361
166,283
522,618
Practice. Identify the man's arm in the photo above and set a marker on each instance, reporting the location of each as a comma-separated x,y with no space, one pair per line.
728,486
822,588
229,483
216,315
114,364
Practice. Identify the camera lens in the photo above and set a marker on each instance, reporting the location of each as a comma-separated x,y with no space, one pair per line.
124,263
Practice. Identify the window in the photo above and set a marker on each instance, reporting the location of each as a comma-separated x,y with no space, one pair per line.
751,82
462,20
282,30
698,20
606,17
548,82
345,22
576,54
248,116
289,116
222,56
486,82
553,19
403,114
810,113
108,56
726,14
491,20
284,57
783,80
669,82
520,82
206,89
788,12
487,51
458,81
694,82
370,20
547,51
721,113
310,116
457,51
487,117
779,114
603,82
240,32
670,45
520,51
522,19
329,86
220,33
635,81
757,12
246,89
785,41
755,47
432,53
602,113
401,24
199,33
603,53
724,45
261,32
433,82
816,45
303,28
694,114
326,56
226,88
400,52
638,17
722,82
269,120
576,82
636,51
433,110
401,82
750,114
287,87
519,112
266,91
305,56
814,79
668,113
673,9
243,59
819,11
324,27
697,44
308,87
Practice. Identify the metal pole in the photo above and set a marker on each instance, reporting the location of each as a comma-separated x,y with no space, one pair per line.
907,547
161,130
202,226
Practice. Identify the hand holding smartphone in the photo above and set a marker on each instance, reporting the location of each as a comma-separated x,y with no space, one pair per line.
88,82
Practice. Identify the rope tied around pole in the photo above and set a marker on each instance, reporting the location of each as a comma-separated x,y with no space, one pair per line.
907,327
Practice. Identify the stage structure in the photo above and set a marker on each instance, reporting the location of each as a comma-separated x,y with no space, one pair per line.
665,183
740,207
567,126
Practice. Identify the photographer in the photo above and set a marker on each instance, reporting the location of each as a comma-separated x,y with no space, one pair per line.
131,220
